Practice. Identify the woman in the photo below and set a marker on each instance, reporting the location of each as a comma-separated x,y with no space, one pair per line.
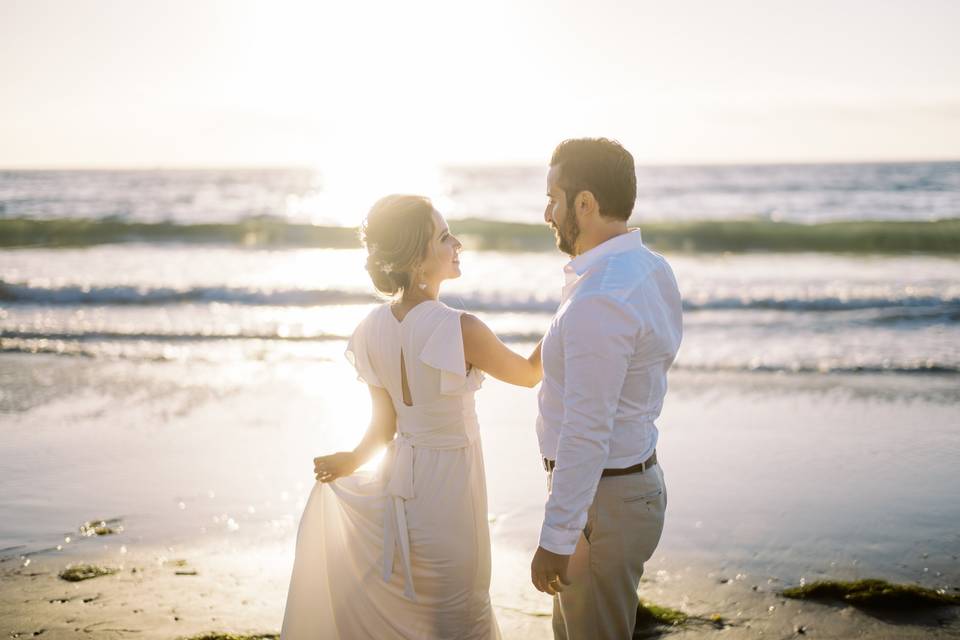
405,552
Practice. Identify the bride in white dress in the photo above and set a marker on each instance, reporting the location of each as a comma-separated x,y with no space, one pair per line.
404,552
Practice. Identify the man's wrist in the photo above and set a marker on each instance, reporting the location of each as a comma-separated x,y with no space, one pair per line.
559,541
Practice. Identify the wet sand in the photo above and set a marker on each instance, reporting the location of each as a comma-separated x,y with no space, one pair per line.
772,480
155,596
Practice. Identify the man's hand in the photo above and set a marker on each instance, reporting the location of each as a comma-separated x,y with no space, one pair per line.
548,571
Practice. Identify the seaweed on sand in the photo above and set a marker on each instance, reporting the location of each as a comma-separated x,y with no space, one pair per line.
217,635
101,527
80,572
651,618
649,614
875,594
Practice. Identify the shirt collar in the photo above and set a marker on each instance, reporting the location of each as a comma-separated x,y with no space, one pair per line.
617,244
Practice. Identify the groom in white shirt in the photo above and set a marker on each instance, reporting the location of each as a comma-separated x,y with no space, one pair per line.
605,361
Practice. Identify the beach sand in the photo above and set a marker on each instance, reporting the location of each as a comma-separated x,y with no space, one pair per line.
773,480
155,596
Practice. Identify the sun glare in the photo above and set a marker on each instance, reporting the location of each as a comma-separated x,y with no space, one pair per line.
349,187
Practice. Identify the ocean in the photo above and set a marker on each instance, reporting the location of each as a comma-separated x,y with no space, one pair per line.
171,355
782,268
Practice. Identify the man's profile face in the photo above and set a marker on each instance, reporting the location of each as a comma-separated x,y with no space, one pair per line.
561,219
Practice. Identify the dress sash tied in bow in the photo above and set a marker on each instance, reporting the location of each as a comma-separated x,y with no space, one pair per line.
398,476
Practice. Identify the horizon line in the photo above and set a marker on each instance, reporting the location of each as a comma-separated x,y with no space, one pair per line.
476,165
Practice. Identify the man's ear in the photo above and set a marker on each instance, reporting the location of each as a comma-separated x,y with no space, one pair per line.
585,203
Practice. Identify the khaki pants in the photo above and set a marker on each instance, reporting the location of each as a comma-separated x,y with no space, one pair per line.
623,528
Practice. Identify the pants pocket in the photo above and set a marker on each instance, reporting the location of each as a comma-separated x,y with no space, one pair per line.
644,495
641,487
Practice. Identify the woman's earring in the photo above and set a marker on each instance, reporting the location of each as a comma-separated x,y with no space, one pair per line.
422,285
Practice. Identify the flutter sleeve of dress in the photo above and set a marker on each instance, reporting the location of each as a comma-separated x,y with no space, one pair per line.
358,353
443,350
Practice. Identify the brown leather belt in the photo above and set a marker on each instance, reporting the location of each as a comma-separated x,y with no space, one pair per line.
637,468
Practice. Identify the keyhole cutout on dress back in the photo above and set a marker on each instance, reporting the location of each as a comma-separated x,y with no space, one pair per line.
405,387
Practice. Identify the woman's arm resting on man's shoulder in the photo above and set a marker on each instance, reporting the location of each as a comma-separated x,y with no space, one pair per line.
483,349
383,426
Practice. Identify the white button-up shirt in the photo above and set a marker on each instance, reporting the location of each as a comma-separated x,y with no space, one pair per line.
605,362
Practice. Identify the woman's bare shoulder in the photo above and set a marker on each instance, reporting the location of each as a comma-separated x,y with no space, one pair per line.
471,324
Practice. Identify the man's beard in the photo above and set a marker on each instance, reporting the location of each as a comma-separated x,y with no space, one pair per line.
567,233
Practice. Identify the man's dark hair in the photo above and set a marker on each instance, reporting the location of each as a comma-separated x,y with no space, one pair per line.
602,167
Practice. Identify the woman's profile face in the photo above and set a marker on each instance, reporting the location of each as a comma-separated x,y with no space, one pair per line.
443,258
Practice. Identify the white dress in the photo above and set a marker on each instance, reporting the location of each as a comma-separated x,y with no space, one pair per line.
403,552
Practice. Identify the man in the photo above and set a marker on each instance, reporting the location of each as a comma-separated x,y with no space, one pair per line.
605,361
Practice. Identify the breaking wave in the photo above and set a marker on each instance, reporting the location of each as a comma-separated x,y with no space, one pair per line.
940,236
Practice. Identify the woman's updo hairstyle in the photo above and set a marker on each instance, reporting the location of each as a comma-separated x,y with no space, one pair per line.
397,235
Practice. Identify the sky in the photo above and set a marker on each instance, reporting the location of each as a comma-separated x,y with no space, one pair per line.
197,83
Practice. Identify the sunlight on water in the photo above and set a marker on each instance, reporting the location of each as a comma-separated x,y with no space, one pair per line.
743,311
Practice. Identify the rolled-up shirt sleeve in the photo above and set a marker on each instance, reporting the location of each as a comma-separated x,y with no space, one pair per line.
598,334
